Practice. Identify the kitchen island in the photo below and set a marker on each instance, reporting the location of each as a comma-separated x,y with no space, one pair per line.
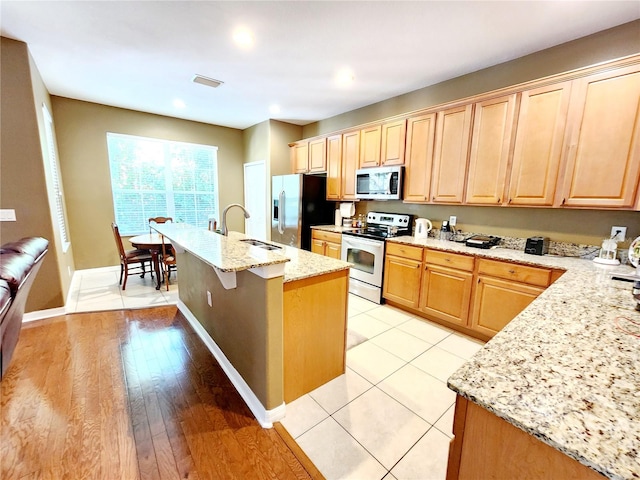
555,394
275,318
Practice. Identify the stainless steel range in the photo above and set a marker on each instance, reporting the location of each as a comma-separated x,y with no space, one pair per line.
364,248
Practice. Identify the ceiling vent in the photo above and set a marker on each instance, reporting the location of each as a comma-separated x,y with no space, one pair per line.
209,82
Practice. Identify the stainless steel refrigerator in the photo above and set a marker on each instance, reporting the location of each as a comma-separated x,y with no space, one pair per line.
297,202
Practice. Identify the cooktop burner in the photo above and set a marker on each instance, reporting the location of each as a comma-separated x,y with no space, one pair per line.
383,225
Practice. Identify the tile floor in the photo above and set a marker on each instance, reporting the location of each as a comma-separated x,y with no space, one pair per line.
388,417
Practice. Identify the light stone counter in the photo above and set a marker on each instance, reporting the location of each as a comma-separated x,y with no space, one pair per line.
229,254
333,228
564,370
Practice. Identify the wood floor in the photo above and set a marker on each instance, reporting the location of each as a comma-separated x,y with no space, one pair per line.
130,394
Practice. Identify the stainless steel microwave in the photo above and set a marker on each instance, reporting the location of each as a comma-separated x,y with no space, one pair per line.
381,183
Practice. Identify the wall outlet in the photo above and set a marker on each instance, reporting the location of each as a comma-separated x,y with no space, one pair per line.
452,220
209,298
619,237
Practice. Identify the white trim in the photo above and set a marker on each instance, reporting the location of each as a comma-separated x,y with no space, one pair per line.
264,417
227,279
269,271
40,314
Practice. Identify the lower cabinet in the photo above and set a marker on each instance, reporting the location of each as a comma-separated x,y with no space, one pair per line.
402,272
477,295
445,291
325,243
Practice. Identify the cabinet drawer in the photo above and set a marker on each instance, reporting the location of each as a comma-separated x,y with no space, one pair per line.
327,236
405,251
448,259
517,273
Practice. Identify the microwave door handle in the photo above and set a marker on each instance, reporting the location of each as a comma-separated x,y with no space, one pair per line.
282,210
389,180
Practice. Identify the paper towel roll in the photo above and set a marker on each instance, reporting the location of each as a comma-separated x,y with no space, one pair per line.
338,219
347,210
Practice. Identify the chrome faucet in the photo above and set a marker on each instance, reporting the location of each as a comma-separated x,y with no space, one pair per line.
223,225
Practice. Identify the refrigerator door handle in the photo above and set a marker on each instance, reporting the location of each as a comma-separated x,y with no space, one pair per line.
281,216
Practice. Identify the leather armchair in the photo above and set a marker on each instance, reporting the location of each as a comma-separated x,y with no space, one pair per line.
19,265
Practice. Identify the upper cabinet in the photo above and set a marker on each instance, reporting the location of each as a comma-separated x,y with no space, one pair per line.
334,167
393,142
538,145
300,157
419,157
603,160
350,162
490,144
309,156
451,151
370,139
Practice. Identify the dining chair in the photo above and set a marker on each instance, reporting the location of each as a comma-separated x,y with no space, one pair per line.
159,220
135,258
168,262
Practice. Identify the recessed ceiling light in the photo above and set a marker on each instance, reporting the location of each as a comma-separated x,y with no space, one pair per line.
209,82
243,37
274,109
179,103
345,76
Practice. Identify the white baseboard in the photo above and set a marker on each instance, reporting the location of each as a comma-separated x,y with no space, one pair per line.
265,417
40,314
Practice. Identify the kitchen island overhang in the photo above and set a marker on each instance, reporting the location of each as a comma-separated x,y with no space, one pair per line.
255,295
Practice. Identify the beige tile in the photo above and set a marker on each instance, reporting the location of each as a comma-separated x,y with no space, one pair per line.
360,304
383,426
391,315
427,460
401,344
100,304
461,345
372,362
420,392
301,415
338,392
439,363
366,325
337,454
445,422
425,330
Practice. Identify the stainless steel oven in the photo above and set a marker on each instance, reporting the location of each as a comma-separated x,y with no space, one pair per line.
364,249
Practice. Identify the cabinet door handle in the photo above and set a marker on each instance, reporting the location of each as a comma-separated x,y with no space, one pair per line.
563,200
512,272
426,268
498,200
417,266
447,259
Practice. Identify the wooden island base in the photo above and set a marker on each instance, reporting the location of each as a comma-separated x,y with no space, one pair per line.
486,446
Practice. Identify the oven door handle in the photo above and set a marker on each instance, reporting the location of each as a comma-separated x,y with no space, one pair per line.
355,241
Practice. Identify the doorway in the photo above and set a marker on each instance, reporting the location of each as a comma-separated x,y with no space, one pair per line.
255,199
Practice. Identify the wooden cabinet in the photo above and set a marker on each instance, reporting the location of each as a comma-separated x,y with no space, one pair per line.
370,139
603,162
318,155
486,446
326,243
539,144
300,157
350,162
451,151
393,143
309,156
493,126
334,167
419,157
402,273
502,291
446,285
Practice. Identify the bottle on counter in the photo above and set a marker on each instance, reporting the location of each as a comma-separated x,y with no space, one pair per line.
445,231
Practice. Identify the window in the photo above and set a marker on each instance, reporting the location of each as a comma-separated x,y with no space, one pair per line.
60,219
160,178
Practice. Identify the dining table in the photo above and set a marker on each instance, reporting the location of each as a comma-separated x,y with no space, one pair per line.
152,242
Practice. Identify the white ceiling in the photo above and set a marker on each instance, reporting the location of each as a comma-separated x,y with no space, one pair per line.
143,54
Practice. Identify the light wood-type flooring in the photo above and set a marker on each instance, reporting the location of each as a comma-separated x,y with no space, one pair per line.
130,394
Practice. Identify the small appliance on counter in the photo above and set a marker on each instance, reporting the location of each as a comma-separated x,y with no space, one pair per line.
537,246
608,253
482,241
423,227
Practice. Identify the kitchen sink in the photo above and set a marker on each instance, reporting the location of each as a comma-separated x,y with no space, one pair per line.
260,244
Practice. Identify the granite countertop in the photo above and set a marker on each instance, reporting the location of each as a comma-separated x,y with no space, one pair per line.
565,370
333,228
229,254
